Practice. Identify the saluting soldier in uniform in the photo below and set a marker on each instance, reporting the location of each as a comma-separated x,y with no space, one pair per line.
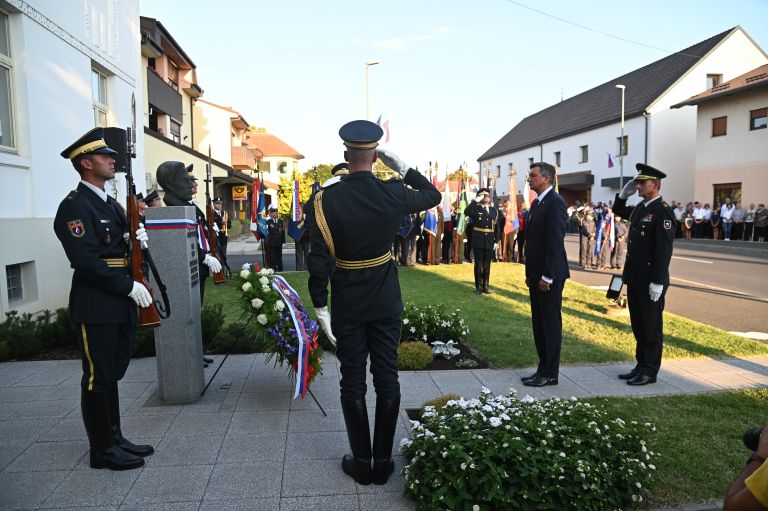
355,222
485,237
646,270
587,233
93,229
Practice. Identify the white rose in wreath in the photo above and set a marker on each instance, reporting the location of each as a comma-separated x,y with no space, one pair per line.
262,319
270,271
246,287
244,274
265,289
257,303
263,271
279,305
263,281
246,266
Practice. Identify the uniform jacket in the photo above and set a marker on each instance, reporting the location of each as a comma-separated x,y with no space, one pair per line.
483,220
91,230
649,247
622,228
275,232
544,239
363,215
588,225
222,221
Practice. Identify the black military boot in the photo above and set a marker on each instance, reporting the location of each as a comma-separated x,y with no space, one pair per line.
358,464
485,287
104,453
117,434
387,410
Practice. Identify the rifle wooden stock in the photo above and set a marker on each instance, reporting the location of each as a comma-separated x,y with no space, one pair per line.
148,316
213,240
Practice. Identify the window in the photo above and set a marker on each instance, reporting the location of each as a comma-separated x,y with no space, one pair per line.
584,153
557,158
622,149
176,132
99,95
758,119
13,281
498,171
264,166
530,162
719,126
173,75
6,92
714,80
282,167
511,169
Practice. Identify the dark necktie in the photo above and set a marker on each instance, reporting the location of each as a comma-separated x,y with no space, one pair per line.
533,206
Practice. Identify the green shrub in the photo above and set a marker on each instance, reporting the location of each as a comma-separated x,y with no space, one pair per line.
19,335
414,355
236,229
234,338
467,363
211,321
499,453
431,323
144,343
439,402
57,330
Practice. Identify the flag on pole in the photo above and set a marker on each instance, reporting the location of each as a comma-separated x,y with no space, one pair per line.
258,211
462,200
296,223
430,221
512,223
446,204
385,127
528,195
610,161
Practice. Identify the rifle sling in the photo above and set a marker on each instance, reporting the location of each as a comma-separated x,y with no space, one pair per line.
163,310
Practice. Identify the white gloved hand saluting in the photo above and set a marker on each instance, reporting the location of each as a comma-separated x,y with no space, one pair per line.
629,190
212,263
141,235
654,291
393,161
140,295
479,198
324,318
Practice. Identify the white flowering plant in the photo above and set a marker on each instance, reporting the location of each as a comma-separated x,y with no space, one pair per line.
428,323
267,317
500,452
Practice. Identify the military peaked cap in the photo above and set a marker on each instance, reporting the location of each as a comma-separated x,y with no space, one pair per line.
647,173
90,143
484,191
151,196
361,134
217,200
340,169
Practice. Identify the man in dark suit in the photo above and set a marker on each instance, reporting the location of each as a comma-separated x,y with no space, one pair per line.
646,269
546,269
485,237
355,223
275,240
94,232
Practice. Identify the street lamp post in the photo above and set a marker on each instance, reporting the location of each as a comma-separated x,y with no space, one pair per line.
621,140
368,63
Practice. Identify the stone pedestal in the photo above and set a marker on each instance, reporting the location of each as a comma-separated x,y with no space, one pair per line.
178,341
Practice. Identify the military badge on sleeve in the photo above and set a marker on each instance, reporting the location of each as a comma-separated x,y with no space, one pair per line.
667,224
76,228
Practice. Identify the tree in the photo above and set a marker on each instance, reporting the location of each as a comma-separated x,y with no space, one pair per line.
383,172
306,180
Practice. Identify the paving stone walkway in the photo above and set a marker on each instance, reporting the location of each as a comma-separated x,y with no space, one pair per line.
246,445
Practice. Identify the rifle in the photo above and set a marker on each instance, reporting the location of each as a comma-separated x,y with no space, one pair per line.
213,239
148,316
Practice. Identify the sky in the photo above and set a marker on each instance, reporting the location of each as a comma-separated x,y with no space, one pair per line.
453,76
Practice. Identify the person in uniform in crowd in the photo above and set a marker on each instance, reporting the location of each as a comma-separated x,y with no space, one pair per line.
606,250
356,221
142,203
620,249
485,237
587,235
468,227
94,232
646,271
302,247
275,240
223,224
411,240
502,221
546,270
449,224
153,199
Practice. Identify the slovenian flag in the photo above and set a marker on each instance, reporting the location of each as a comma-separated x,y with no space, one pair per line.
258,211
610,161
296,223
385,127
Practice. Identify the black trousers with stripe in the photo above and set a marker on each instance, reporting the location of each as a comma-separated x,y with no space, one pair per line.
105,351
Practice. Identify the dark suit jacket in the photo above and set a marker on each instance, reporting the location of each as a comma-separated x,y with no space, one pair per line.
544,240
91,230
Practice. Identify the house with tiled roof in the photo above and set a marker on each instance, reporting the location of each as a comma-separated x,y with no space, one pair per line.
583,135
276,158
731,136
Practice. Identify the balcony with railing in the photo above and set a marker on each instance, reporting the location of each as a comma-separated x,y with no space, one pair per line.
243,158
164,97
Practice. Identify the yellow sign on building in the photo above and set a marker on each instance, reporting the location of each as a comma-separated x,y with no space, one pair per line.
240,192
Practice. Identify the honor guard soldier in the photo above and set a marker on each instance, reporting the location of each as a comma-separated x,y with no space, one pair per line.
93,229
356,220
275,240
587,233
153,199
485,237
223,224
646,269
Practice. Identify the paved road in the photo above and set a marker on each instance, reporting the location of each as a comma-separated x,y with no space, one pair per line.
720,285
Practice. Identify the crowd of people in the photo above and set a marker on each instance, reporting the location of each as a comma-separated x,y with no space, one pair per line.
727,221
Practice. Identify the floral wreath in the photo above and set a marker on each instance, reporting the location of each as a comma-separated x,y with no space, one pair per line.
274,309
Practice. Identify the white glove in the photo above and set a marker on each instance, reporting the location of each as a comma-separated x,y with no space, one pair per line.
140,295
141,235
654,291
212,263
629,190
216,228
495,247
324,317
393,161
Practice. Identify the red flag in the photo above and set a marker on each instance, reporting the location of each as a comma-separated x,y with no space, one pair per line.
255,190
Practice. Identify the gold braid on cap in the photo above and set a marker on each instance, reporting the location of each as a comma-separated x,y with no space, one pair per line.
322,223
362,145
90,146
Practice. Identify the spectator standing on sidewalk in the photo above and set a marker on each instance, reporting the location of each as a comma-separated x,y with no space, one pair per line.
679,214
738,222
698,220
726,214
714,222
761,222
749,223
707,228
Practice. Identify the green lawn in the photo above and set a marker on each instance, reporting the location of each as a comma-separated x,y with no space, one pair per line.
500,325
699,439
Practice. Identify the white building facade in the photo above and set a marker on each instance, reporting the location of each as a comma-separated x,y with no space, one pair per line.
65,67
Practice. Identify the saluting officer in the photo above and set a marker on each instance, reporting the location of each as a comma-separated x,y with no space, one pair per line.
355,222
646,270
93,230
485,237
587,233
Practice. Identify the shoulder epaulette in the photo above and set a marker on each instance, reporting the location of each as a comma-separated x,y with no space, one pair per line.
72,195
394,180
665,204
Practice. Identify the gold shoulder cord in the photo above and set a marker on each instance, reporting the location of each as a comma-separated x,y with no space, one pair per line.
322,223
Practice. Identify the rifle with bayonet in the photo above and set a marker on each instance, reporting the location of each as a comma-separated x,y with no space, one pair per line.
213,239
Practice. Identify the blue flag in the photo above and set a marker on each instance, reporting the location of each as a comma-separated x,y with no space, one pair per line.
430,221
262,214
296,224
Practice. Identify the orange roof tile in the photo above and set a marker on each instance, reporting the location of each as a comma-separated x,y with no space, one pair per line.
270,145
754,79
